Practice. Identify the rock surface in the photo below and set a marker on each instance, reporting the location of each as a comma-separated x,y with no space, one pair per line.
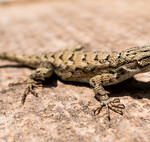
63,111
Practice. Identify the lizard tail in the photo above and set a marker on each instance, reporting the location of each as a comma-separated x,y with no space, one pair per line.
31,61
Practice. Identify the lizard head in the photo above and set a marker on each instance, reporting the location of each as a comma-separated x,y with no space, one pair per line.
139,55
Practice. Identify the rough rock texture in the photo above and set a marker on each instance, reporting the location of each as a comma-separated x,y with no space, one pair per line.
63,111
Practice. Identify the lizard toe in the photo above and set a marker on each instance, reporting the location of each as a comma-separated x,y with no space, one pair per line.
113,105
30,89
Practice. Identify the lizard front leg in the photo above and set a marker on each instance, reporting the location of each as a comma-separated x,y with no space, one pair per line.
36,78
97,83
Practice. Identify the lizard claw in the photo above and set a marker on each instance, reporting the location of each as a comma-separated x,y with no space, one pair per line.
114,105
30,89
98,109
31,84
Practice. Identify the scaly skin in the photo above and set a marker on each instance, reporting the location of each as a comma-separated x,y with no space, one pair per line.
96,68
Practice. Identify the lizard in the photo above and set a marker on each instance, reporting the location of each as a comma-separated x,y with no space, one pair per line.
99,69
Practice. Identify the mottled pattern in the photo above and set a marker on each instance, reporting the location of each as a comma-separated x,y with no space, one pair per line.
96,68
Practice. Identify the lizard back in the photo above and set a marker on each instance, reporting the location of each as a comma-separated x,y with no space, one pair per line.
81,66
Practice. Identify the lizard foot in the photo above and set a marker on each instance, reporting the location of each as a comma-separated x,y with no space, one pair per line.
114,105
31,84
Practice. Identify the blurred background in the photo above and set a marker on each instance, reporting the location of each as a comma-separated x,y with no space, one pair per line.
63,112
48,25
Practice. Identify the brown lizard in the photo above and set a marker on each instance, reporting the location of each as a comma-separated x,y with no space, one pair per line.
96,68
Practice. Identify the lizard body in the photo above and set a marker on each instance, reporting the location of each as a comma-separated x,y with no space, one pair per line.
96,68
